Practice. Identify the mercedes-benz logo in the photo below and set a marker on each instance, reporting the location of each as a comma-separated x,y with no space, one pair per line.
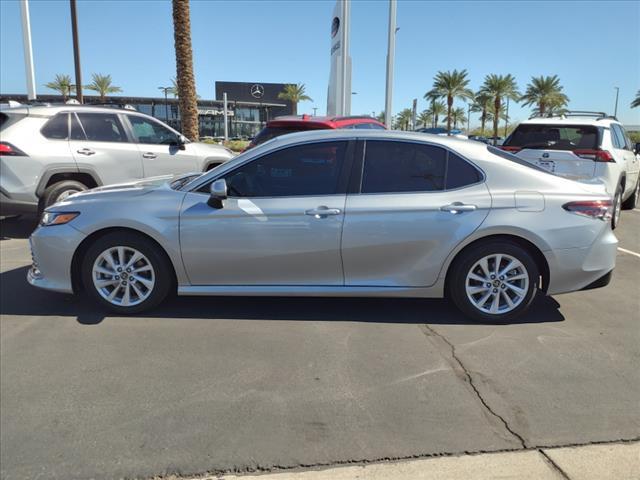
257,91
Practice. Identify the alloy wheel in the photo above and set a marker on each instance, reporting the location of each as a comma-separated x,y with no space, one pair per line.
64,195
497,284
123,276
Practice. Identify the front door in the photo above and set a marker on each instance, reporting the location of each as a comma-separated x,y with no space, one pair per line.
281,224
416,203
159,148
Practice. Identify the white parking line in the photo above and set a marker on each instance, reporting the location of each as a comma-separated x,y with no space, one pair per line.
624,250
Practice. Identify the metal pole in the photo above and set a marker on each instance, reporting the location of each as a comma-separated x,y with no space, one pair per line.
506,120
166,105
28,51
315,109
76,50
345,100
391,53
224,110
615,111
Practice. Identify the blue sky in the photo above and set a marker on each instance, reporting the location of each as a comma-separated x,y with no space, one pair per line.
592,46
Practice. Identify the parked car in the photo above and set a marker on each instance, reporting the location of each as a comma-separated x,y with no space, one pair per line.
336,213
291,124
50,152
479,138
495,140
583,146
443,131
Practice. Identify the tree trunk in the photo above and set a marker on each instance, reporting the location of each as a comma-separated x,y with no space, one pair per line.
294,108
542,108
483,119
449,105
496,119
187,99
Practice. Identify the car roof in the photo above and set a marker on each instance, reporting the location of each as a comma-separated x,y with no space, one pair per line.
571,120
319,122
49,110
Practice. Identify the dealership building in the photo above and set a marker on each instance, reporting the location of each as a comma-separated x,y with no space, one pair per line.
249,106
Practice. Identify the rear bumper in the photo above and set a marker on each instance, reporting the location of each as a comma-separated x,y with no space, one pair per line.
572,269
9,206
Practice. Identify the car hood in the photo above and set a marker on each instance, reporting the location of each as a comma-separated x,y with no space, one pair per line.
211,150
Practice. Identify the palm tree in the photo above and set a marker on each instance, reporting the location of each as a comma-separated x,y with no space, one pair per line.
499,87
450,85
62,84
436,110
481,103
173,89
403,119
185,79
425,118
458,116
543,92
380,117
294,94
102,85
636,101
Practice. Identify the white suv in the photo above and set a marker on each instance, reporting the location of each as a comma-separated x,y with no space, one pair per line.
584,146
50,152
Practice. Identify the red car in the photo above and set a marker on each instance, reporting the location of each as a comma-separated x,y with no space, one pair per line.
284,125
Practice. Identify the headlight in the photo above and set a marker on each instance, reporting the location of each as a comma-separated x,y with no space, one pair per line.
57,218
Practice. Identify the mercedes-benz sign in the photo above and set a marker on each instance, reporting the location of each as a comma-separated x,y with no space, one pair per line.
257,91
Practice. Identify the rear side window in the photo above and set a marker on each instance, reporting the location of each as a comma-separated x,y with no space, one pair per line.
102,127
76,130
460,173
554,137
302,170
393,167
57,128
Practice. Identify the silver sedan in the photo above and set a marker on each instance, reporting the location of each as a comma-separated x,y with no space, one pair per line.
336,213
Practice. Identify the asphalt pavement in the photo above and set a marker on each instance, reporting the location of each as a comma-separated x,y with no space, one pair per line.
257,384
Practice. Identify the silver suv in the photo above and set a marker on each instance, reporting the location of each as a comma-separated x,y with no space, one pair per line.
50,152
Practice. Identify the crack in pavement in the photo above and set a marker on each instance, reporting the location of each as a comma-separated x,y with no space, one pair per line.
439,340
553,464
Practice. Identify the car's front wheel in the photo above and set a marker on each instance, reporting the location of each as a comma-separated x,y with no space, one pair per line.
126,273
496,281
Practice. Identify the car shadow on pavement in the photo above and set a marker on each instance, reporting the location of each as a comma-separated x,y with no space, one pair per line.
17,227
17,297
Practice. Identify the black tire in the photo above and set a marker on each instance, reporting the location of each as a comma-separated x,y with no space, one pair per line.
53,192
163,270
632,202
617,206
456,280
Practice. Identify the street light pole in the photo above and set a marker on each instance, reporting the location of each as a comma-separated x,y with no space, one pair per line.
166,102
391,52
76,50
615,111
28,50
506,120
315,109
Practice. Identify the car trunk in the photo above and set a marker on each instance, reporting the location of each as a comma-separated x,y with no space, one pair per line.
565,150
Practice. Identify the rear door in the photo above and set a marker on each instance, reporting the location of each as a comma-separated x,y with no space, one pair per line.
559,149
624,151
416,202
99,143
159,148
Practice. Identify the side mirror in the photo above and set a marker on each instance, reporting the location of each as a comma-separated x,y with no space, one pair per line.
218,192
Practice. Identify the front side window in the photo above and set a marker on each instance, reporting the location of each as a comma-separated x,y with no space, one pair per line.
57,128
102,127
303,170
393,167
150,132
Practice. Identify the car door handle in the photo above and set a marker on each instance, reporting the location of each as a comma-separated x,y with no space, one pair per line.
86,151
149,155
323,211
458,207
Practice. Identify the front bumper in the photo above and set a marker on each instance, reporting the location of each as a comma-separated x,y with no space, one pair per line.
9,206
572,269
52,250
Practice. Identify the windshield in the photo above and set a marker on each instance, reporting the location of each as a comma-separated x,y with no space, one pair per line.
268,133
554,137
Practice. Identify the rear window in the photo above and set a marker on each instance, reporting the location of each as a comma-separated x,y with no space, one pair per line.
268,133
512,158
554,137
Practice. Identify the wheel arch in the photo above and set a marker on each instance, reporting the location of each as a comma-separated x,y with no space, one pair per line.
78,255
526,244
53,175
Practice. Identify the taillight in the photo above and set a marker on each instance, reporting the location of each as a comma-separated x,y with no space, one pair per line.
600,209
9,150
507,148
595,155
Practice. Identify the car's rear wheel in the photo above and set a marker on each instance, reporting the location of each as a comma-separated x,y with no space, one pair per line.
58,192
617,207
126,273
496,281
632,202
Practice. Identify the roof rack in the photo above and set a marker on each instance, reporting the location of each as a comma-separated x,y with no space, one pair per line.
585,113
